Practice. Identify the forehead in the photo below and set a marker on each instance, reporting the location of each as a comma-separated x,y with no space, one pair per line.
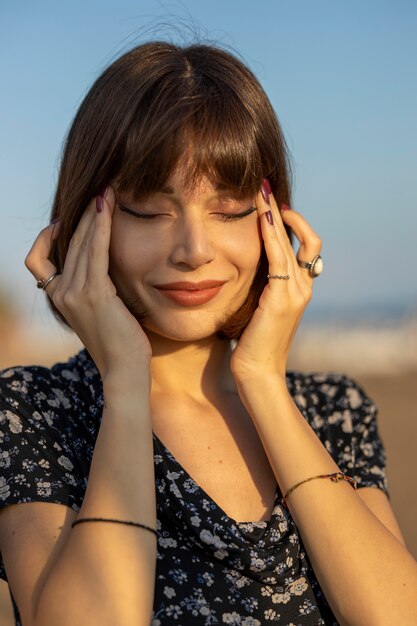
186,180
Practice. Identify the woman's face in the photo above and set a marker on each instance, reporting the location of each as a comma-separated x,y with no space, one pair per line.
179,235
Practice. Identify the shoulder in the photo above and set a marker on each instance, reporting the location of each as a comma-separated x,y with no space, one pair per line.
329,392
77,377
49,420
344,418
335,405
66,397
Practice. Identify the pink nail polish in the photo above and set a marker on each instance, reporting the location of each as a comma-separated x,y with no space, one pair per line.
285,207
266,190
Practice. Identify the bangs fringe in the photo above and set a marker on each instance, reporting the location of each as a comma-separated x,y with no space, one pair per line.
210,131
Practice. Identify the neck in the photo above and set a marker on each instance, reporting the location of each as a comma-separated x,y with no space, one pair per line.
198,371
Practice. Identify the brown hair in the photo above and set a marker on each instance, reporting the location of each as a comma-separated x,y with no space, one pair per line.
150,106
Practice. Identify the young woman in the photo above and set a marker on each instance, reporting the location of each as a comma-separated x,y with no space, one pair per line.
174,472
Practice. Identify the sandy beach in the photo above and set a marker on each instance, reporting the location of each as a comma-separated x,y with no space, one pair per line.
396,398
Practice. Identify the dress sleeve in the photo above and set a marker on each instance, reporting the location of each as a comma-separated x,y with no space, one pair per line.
345,419
37,452
368,451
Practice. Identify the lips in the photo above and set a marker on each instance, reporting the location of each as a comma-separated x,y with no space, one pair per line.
186,293
188,286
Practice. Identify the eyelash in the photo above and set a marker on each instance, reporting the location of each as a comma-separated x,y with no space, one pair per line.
223,216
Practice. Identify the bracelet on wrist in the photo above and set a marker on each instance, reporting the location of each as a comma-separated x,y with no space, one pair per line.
113,521
335,477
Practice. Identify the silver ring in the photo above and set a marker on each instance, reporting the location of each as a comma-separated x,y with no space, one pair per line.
315,267
43,283
278,276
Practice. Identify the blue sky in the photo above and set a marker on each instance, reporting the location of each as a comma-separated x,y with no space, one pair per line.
341,76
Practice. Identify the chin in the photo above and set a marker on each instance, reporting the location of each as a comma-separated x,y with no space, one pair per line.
186,330
186,324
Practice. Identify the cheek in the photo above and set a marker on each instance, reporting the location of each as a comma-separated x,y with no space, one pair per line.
131,249
119,251
245,244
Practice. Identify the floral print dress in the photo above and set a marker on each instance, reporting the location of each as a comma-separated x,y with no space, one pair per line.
210,568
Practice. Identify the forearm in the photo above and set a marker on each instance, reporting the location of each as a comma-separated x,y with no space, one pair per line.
367,575
105,574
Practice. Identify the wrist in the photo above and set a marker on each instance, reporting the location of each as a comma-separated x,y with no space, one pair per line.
126,384
260,379
256,390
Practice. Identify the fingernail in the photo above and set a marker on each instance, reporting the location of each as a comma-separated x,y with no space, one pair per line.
269,217
285,207
100,198
266,190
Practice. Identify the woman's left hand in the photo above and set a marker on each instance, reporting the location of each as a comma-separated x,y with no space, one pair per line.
264,345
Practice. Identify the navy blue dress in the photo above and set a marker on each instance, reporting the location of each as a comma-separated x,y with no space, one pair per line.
210,568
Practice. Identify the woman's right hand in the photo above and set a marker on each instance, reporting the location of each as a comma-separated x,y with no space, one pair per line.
85,295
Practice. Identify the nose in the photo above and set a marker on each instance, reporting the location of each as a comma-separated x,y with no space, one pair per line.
192,245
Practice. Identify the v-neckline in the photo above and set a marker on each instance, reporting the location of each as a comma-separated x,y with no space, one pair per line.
256,523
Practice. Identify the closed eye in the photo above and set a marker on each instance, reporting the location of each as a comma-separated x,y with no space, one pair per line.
145,216
223,216
236,216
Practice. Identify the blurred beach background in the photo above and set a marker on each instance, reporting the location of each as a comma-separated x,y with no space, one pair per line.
341,78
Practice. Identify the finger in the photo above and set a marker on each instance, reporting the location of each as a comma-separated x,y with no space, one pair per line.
273,241
74,272
277,219
98,267
310,242
267,202
284,239
37,260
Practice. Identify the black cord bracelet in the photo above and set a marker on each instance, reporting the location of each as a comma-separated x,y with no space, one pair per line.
113,521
